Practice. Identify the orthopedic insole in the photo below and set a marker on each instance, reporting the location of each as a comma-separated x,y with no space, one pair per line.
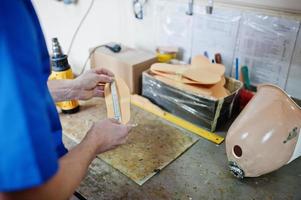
201,77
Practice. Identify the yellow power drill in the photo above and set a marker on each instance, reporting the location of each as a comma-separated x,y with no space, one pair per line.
62,70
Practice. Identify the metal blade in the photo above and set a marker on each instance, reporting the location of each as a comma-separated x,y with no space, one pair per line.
116,106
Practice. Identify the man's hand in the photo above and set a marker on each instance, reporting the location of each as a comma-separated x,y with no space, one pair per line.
106,135
91,84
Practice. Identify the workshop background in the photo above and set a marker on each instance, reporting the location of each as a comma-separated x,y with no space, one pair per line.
113,20
169,156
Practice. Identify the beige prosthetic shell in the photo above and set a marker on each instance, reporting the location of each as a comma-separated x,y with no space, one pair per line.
261,130
124,100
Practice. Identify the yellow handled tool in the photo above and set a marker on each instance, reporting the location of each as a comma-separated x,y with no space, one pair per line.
62,70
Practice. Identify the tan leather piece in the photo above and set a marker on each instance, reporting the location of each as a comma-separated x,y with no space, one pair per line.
169,68
204,63
124,100
176,78
262,130
186,87
218,90
204,76
200,75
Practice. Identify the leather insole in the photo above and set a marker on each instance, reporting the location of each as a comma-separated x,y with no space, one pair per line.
175,77
218,90
204,63
186,87
200,75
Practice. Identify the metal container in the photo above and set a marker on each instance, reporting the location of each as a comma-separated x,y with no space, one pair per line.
203,111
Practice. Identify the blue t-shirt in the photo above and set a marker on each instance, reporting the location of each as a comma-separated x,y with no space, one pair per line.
30,130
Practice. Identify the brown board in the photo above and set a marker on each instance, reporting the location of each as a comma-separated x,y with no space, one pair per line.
151,146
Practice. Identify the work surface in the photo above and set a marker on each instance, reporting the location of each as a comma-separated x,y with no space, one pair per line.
151,145
200,173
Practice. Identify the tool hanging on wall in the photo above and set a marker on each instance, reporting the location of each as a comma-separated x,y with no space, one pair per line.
138,8
62,70
190,7
209,7
70,2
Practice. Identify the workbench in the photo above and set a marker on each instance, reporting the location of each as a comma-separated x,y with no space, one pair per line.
200,173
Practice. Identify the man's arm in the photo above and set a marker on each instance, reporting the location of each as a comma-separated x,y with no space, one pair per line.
83,87
103,136
61,90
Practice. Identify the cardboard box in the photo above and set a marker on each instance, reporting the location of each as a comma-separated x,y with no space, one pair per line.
128,64
208,113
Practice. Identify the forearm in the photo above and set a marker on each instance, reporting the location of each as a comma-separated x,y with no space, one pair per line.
61,90
72,170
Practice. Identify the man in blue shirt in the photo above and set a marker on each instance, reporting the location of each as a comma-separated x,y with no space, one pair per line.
34,163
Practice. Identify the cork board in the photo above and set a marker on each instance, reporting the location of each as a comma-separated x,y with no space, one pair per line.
151,146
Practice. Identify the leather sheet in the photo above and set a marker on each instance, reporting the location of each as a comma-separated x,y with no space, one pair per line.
201,77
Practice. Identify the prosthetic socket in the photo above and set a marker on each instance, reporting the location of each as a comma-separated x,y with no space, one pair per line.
266,134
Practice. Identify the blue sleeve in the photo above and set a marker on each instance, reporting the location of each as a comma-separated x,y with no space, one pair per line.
27,154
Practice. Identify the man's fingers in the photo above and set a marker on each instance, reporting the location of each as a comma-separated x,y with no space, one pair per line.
129,128
105,78
86,94
115,121
101,84
123,141
100,87
103,71
132,125
98,93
